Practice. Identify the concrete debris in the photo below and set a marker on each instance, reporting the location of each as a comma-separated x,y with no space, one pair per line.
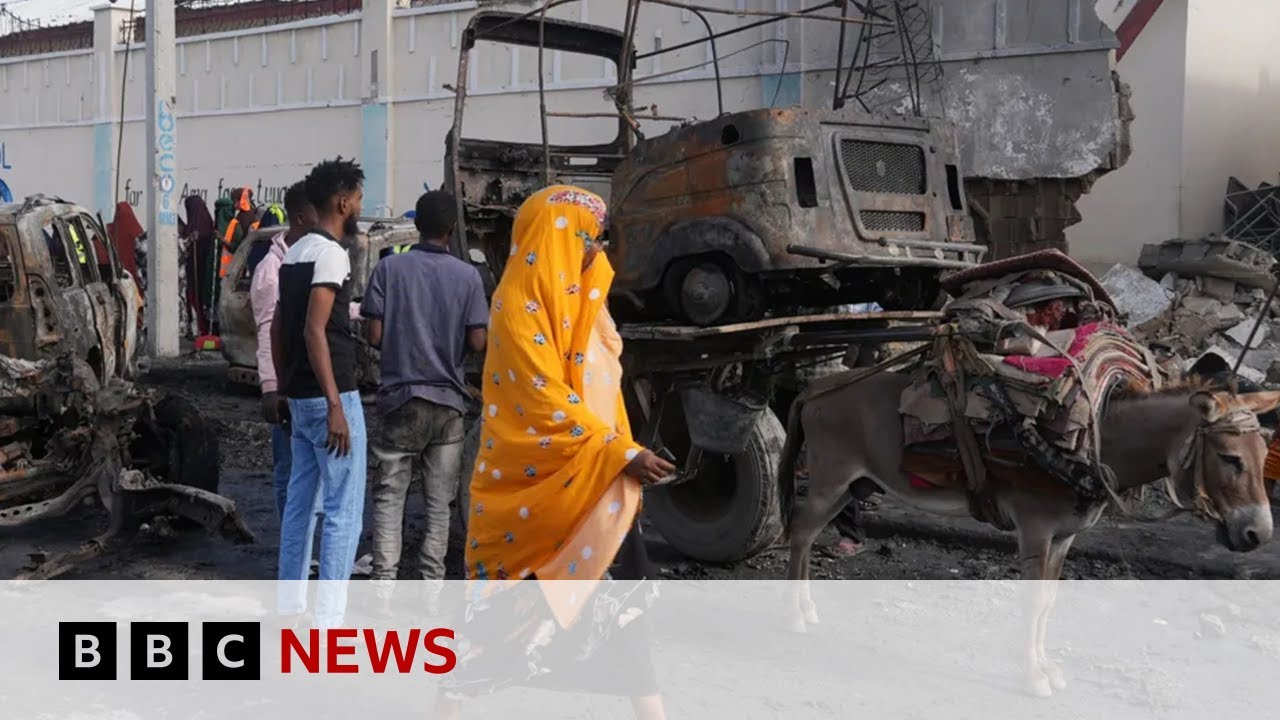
1229,315
1240,333
1273,373
1219,290
1246,372
1139,298
1211,257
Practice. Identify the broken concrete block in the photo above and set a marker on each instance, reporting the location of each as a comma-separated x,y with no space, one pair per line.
1247,372
1209,257
1192,329
1201,305
1240,333
1229,315
1219,289
1169,282
1137,297
1273,373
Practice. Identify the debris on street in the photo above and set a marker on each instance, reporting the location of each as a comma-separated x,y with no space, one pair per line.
1202,297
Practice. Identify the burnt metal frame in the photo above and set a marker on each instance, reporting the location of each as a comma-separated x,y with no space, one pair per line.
627,56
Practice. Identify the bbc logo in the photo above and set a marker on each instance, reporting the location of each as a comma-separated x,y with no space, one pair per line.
159,651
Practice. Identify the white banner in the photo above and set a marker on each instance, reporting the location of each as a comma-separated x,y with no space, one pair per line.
937,650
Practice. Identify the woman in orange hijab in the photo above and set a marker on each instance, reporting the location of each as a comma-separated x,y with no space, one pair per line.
557,482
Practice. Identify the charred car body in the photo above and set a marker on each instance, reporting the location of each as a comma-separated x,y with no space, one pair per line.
72,424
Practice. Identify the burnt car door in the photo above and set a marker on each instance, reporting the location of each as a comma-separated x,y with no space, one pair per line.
118,292
100,319
492,177
75,315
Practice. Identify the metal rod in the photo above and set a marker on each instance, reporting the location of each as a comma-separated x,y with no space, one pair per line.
459,240
849,259
805,12
1266,310
837,102
853,337
671,118
542,94
715,57
933,245
773,15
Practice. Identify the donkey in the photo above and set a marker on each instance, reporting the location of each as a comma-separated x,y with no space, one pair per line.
1208,445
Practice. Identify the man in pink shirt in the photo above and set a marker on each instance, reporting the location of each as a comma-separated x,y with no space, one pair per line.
264,293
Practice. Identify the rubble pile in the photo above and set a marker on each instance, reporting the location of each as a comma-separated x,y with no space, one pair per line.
1199,297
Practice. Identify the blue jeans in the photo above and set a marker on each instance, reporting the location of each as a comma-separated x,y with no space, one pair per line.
282,467
282,464
339,486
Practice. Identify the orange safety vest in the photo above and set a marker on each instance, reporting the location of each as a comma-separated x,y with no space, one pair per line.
1271,470
228,251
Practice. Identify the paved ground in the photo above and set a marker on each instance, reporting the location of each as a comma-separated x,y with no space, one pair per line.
903,544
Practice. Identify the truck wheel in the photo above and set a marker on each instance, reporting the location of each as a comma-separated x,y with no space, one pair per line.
731,511
700,290
192,446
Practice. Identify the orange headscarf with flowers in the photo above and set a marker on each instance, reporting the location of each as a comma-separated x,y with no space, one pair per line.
548,495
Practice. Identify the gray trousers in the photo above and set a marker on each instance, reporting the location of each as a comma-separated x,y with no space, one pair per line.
431,434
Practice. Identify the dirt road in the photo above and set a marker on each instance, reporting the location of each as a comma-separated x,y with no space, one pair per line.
902,544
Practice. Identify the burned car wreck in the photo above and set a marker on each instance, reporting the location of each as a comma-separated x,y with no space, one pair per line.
73,425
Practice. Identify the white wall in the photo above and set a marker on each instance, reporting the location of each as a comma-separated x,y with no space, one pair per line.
1206,94
1138,203
1231,106
257,107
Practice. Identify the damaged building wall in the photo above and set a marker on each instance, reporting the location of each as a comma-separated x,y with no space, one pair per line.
1231,103
1204,101
1038,111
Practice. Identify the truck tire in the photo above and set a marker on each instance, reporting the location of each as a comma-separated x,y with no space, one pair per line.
192,444
732,510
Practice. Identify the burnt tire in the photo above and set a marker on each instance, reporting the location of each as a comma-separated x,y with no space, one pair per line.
191,443
732,510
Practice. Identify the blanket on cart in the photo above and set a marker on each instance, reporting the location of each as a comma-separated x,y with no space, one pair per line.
1033,355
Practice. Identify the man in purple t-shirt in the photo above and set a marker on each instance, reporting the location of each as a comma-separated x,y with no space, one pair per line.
426,310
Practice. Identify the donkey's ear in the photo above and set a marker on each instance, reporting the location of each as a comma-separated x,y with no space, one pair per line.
1260,402
1211,405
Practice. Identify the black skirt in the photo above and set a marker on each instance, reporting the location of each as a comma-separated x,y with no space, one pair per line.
607,651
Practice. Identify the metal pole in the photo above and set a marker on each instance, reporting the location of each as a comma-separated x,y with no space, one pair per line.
162,175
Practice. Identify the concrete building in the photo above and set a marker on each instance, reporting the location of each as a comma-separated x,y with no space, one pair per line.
1206,92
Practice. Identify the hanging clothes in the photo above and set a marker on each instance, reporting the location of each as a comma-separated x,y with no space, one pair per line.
201,271
125,230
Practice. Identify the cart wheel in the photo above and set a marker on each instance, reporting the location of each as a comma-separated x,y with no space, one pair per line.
731,510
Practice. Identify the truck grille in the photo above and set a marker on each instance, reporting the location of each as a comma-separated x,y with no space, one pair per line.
889,221
883,167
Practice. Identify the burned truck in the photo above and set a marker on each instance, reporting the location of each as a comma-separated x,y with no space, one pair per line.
73,425
745,243
734,239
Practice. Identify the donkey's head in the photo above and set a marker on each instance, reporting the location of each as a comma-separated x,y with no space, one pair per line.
1218,470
